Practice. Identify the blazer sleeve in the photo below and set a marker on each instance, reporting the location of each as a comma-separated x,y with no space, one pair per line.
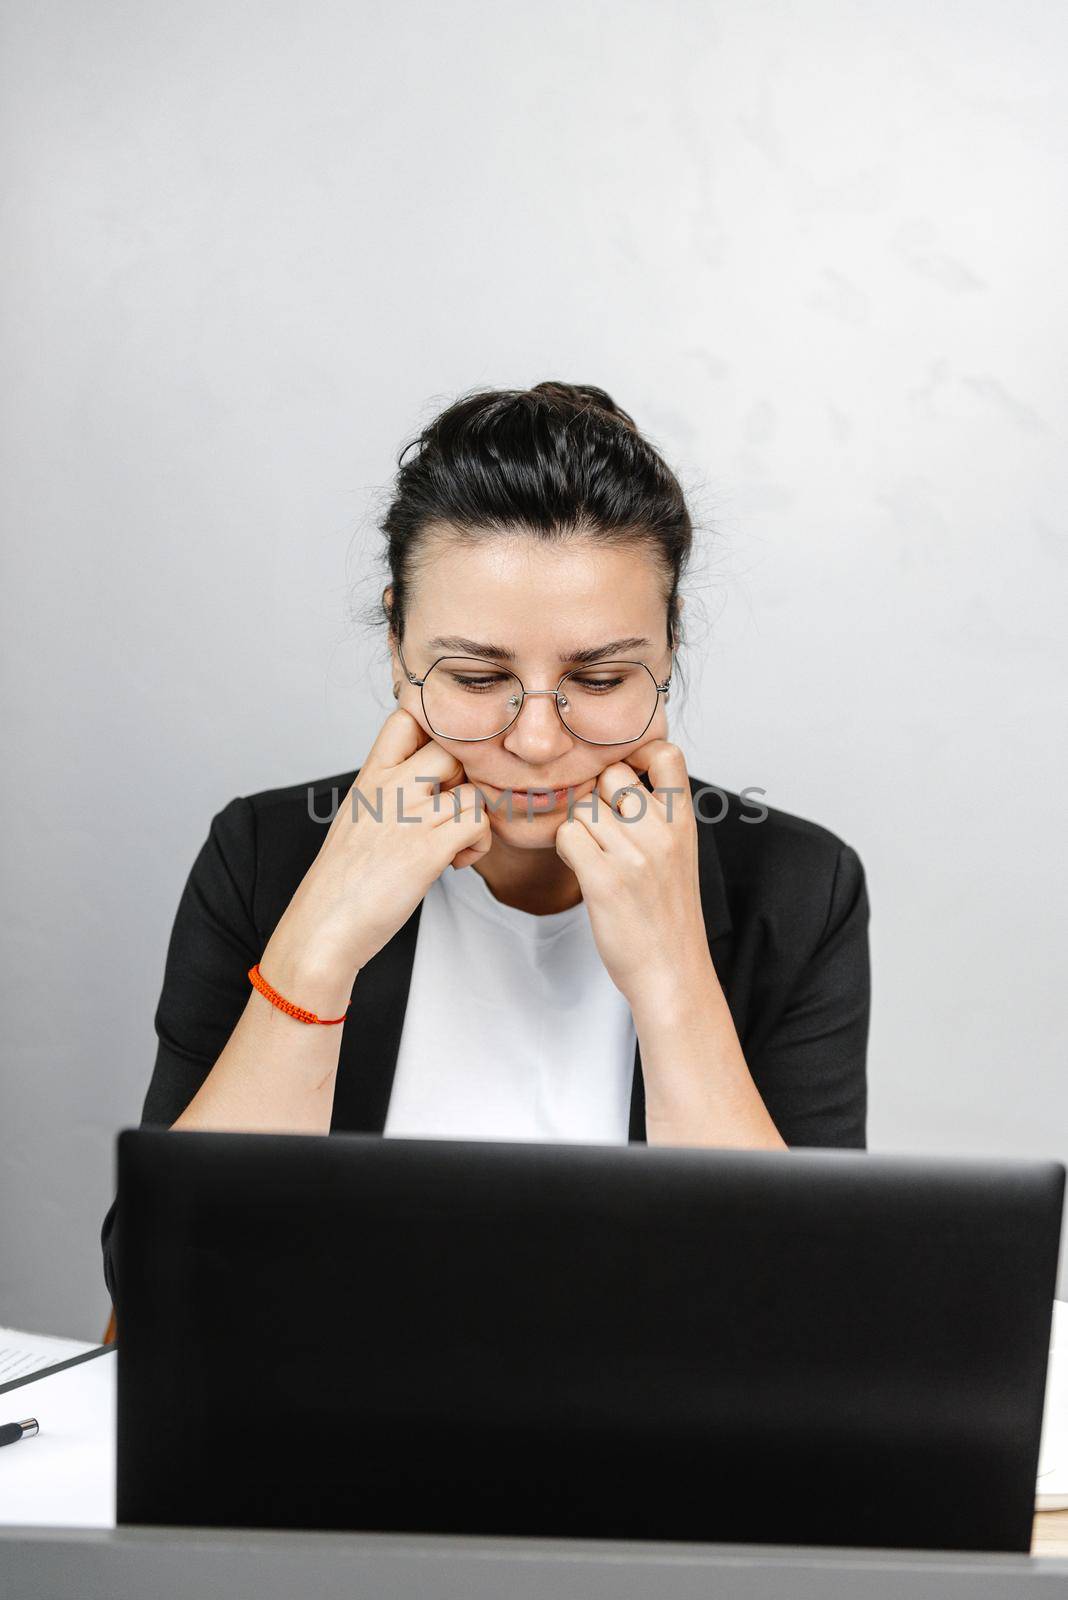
213,943
812,1067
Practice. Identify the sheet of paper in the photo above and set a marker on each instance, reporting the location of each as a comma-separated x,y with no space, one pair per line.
1051,1489
64,1476
21,1353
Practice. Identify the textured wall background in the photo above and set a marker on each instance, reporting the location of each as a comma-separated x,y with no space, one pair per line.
817,250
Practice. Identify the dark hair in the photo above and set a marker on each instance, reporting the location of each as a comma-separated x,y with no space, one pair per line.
557,460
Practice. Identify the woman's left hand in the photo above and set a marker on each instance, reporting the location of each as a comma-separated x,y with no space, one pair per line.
637,869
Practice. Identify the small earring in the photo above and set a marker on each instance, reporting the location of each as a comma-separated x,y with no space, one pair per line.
396,691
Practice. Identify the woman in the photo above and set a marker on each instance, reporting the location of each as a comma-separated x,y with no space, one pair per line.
610,959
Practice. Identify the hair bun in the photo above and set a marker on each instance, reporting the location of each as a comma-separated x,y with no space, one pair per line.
582,395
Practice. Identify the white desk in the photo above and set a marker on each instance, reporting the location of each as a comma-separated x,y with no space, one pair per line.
65,1475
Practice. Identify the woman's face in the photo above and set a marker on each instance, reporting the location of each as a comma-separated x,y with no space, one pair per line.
544,602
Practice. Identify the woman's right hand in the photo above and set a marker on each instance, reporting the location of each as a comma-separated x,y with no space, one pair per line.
369,875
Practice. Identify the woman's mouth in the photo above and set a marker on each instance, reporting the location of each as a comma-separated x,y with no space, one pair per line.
542,798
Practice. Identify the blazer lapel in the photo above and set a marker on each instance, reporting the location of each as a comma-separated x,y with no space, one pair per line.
371,1033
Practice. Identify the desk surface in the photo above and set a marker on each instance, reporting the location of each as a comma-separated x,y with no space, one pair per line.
1049,1535
201,1564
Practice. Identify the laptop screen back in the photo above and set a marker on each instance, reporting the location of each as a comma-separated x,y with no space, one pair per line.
811,1347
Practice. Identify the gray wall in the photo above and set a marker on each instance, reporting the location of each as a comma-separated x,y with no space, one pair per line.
817,250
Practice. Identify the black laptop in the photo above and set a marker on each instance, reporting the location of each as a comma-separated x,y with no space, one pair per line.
805,1347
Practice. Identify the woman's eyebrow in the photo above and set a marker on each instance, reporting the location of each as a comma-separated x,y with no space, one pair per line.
472,647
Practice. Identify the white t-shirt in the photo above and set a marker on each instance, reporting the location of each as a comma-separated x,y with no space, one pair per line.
513,1028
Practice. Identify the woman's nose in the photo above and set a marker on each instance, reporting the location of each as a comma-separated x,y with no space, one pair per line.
537,735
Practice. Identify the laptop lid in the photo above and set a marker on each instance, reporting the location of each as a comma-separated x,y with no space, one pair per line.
354,1332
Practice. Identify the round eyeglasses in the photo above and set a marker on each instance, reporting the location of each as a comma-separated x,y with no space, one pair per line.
468,699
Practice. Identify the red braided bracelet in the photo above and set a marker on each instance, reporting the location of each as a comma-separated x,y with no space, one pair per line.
259,982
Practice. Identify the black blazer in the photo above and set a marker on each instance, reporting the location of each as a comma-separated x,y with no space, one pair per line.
786,915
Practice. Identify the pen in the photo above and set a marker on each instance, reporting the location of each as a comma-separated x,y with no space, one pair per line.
12,1432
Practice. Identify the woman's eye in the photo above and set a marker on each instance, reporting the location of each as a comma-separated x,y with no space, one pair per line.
478,684
596,683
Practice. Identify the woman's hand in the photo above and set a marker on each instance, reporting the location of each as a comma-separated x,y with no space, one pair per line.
370,874
640,881
638,871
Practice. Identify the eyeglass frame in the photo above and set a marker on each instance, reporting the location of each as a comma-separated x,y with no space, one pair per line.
529,694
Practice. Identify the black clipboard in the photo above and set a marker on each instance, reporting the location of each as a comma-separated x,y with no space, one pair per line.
46,1372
